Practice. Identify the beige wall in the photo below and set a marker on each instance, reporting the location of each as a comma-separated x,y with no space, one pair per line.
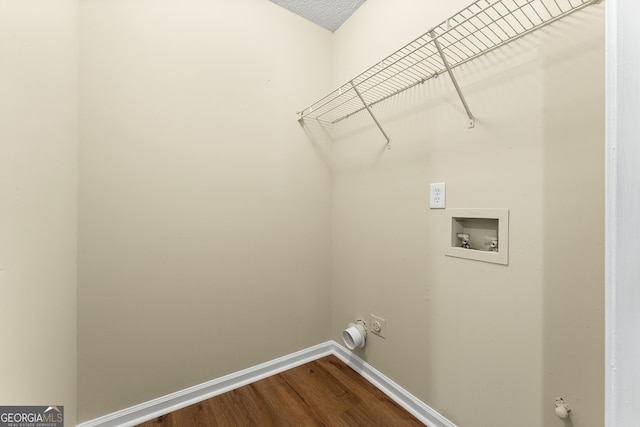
38,125
484,344
573,290
204,211
211,225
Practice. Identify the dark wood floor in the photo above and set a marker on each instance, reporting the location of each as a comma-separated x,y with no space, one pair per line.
325,392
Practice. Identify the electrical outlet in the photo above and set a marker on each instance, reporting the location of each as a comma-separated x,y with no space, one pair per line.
378,325
437,195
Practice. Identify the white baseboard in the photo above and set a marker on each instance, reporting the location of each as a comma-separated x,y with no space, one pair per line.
163,405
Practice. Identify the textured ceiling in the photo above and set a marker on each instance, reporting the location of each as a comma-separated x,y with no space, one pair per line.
329,14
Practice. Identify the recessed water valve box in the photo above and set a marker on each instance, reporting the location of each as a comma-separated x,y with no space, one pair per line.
479,234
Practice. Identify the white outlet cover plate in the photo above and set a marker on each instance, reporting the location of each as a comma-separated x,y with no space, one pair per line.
381,321
437,195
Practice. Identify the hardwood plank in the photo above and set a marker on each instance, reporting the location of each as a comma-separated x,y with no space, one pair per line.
322,406
272,395
237,407
200,416
374,403
325,392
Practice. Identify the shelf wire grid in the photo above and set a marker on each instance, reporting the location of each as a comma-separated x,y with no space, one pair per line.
482,26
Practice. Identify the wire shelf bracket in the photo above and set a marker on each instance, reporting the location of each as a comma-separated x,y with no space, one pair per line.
472,120
355,89
481,27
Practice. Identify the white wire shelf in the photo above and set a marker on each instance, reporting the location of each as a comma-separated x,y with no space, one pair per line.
479,28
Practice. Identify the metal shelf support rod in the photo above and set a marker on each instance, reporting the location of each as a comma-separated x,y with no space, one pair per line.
472,120
372,115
